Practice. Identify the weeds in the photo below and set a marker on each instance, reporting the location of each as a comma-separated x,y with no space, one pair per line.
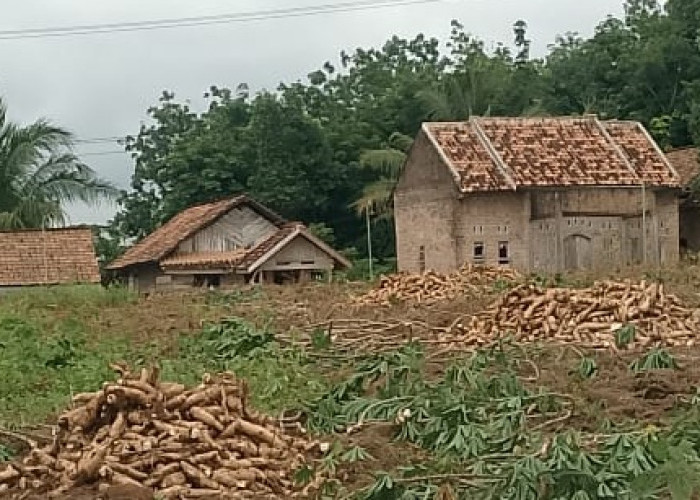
6,453
655,359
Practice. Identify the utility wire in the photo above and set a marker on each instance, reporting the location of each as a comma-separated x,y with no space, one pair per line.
206,20
103,153
99,140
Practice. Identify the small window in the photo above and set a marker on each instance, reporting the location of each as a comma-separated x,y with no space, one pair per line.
308,262
421,259
479,251
503,253
283,262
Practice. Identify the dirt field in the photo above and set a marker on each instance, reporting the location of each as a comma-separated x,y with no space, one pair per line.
615,399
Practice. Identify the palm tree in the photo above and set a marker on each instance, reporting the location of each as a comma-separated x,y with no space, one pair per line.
376,197
39,174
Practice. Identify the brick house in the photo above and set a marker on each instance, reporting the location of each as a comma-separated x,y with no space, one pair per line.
35,257
686,161
223,244
538,194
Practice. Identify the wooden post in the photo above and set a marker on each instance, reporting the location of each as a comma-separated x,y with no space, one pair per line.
558,230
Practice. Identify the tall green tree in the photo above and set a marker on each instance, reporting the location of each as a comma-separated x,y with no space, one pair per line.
377,196
39,174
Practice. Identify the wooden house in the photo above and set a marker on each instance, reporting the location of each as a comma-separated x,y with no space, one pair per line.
223,244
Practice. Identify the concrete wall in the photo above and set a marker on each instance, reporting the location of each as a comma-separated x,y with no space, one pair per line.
492,220
545,230
424,210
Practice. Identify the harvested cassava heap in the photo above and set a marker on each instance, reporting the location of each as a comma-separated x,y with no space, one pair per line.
588,316
431,287
198,443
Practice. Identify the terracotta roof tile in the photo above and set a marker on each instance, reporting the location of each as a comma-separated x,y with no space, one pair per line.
470,159
265,246
205,260
53,256
647,160
506,153
686,161
554,151
166,238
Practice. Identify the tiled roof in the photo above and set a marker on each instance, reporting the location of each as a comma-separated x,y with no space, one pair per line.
204,260
686,161
488,154
461,145
646,158
244,259
52,256
166,238
265,246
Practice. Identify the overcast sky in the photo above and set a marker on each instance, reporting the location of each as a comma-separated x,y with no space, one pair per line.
101,85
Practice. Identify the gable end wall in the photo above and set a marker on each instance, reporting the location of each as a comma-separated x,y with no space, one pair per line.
424,209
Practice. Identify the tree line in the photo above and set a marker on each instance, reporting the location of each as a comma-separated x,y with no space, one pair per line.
327,150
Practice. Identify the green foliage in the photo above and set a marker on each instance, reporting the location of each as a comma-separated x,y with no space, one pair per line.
39,175
6,453
330,148
625,335
49,350
232,338
655,359
49,368
587,368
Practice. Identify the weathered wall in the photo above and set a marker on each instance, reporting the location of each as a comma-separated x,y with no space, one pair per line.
240,228
142,278
424,203
668,226
602,228
577,242
299,253
591,200
489,220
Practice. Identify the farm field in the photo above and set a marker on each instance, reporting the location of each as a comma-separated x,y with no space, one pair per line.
403,400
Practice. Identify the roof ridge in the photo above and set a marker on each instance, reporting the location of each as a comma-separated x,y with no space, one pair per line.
46,229
491,150
618,149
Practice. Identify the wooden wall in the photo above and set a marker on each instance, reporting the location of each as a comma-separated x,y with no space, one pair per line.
240,228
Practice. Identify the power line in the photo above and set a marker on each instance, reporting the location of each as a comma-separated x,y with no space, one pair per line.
206,20
99,140
103,153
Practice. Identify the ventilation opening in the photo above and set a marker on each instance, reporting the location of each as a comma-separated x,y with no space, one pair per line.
479,252
421,259
503,253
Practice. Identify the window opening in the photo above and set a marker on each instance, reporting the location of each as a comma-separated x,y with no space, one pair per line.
503,253
479,251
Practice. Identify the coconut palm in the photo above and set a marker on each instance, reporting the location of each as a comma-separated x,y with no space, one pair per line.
377,196
39,174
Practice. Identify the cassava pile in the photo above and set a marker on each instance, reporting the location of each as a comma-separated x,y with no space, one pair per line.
431,287
199,443
588,316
